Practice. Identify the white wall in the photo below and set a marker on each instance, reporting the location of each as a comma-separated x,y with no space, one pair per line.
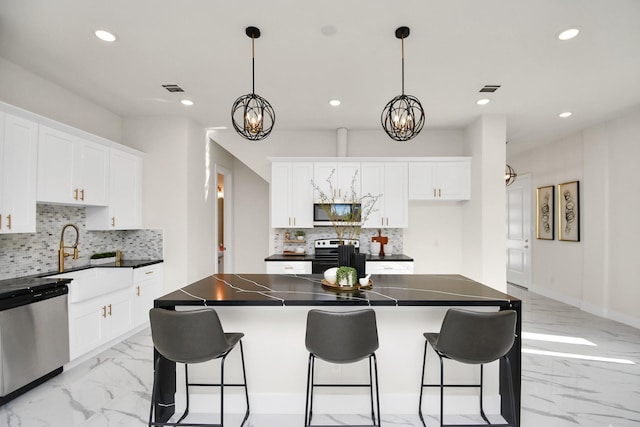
165,181
484,242
599,273
31,92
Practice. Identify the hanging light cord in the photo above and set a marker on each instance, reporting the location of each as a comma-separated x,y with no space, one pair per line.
403,65
253,66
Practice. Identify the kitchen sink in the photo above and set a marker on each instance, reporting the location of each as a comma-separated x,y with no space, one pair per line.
93,282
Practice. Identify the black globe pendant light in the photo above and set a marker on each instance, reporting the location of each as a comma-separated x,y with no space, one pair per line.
252,115
403,116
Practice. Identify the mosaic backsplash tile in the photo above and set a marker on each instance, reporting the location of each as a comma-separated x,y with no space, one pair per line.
394,234
34,253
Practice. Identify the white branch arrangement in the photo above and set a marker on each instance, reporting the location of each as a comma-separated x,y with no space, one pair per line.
346,228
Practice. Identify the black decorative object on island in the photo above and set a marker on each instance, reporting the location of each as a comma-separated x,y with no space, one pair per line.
359,263
345,255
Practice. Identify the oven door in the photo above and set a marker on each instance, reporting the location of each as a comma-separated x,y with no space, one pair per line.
318,266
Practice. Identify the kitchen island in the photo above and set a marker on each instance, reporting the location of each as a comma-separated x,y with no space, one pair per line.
271,311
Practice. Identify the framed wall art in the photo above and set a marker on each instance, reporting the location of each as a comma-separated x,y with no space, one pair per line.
544,212
569,211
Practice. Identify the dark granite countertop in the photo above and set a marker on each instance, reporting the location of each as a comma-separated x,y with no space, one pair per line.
311,257
307,290
25,284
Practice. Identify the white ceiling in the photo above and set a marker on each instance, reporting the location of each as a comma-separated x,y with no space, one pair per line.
455,48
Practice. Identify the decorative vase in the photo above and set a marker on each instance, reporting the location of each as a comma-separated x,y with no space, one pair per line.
345,255
359,263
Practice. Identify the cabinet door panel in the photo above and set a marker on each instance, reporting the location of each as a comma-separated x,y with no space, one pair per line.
453,180
55,166
302,195
396,204
281,195
93,173
372,182
120,312
18,159
86,327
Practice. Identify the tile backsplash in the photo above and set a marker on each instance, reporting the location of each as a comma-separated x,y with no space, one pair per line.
32,253
394,234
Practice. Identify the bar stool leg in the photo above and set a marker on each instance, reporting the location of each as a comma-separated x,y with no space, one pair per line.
246,389
424,363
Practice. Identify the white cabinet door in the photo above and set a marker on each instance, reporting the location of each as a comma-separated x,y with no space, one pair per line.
440,180
454,180
288,267
147,286
71,170
338,181
18,160
390,181
92,173
119,318
86,327
124,210
291,195
55,167
396,201
389,267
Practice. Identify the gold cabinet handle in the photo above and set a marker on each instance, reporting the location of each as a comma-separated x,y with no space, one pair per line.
294,221
110,312
149,272
0,221
75,194
9,222
434,192
439,192
82,194
113,221
138,290
104,311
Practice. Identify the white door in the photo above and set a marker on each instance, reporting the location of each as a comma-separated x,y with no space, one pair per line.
518,229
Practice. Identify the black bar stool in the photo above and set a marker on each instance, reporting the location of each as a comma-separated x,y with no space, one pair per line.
473,338
342,337
193,337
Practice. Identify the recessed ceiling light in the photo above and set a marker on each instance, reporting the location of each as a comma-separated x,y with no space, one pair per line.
106,36
568,34
334,102
565,114
483,101
187,102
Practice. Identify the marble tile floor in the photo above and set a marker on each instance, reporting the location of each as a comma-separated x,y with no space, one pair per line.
578,370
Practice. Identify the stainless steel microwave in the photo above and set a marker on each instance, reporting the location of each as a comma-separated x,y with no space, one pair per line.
341,213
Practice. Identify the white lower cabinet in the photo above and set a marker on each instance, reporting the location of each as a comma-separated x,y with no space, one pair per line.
288,267
106,303
147,286
98,321
389,267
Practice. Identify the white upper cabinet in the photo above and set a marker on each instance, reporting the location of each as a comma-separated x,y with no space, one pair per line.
389,180
339,181
124,210
71,170
440,180
291,195
18,160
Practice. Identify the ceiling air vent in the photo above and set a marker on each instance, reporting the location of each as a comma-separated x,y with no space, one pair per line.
173,88
490,88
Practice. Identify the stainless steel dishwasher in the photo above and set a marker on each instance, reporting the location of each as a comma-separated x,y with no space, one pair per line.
34,338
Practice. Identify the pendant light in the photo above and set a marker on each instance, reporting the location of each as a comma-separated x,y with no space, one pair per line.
252,115
403,116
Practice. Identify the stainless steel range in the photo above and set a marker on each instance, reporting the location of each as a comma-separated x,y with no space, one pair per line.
326,253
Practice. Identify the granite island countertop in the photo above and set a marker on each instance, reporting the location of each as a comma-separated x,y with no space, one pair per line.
307,290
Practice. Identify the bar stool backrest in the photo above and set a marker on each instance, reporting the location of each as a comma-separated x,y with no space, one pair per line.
476,337
188,336
342,337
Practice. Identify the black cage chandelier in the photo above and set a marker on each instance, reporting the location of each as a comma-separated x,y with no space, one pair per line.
403,116
252,115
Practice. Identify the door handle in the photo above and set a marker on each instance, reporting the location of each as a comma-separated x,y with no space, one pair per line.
138,290
75,194
526,246
9,222
82,194
104,311
110,312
